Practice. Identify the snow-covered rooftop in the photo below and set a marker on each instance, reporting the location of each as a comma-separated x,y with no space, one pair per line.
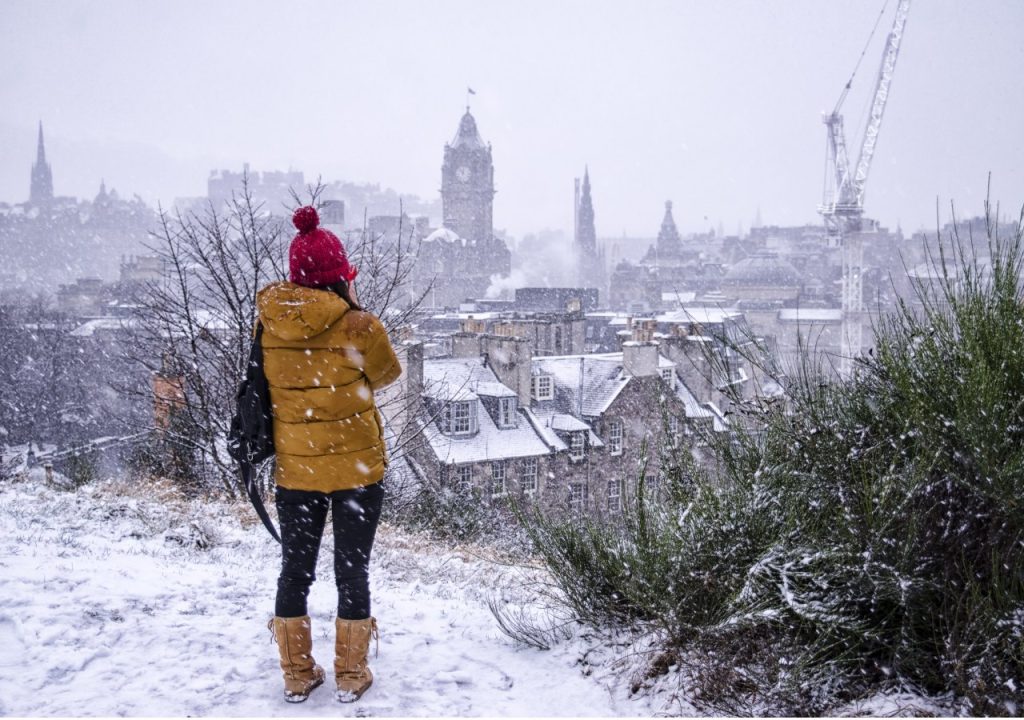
548,424
679,297
444,235
811,315
703,314
454,379
91,327
493,389
694,409
587,384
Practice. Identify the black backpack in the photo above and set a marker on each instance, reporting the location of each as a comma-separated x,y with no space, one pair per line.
251,437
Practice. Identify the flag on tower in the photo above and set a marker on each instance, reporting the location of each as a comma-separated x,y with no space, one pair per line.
471,91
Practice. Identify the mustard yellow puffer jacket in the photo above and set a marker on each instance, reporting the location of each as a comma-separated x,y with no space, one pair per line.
323,362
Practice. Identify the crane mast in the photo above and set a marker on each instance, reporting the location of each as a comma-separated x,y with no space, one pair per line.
843,203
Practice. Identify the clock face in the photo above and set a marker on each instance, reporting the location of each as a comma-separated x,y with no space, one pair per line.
462,173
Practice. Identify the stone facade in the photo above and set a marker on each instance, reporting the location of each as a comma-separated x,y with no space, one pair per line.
576,432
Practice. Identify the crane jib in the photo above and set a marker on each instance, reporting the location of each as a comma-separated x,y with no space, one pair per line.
846,198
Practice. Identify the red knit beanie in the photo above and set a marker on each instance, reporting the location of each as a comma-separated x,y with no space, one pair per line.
316,257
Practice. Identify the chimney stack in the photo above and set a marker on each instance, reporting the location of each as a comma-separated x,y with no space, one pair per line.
640,358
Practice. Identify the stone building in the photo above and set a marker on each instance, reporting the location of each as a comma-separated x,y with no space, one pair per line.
671,267
763,277
556,299
570,430
272,188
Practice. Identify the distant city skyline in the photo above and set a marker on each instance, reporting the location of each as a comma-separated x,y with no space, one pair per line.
715,106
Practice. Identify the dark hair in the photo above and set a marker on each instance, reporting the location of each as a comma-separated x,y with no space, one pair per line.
340,289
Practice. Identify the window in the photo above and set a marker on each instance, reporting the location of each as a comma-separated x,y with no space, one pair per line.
577,497
459,418
463,476
576,444
615,495
615,437
498,477
528,476
506,412
673,429
652,483
669,376
543,388
558,340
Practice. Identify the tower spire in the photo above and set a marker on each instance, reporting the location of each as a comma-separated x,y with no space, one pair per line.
669,241
41,189
586,233
590,264
41,148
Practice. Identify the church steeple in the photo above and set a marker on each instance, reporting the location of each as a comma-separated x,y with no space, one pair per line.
41,189
669,241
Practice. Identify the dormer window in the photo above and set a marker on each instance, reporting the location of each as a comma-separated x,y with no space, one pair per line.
669,376
543,387
459,418
506,412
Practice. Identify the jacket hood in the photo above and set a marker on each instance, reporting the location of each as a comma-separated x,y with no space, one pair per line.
295,312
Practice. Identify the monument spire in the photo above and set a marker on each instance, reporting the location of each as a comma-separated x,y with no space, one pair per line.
41,189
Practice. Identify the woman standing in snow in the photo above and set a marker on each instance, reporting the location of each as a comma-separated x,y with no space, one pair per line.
324,358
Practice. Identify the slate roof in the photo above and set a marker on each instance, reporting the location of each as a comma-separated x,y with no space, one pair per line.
694,409
467,378
601,381
598,378
446,378
762,269
467,136
549,424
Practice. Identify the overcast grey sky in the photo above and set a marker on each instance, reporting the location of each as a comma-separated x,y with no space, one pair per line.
715,104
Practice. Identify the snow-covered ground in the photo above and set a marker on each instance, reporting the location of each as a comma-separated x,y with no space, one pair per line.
121,600
108,607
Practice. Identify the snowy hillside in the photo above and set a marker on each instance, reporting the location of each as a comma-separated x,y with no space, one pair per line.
108,605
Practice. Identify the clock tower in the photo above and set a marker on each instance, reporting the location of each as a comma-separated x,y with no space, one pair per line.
467,184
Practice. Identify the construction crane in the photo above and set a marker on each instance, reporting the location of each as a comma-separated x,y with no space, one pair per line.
843,203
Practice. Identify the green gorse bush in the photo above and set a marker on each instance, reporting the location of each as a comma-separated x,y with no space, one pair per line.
861,535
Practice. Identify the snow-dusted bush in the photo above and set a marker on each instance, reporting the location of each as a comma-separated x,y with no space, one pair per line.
862,535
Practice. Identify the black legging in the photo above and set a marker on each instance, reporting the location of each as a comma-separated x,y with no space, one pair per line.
303,515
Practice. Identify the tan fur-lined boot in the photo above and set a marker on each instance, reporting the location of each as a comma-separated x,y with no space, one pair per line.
351,646
295,641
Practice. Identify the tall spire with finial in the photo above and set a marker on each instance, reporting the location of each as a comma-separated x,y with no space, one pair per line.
590,262
41,189
586,233
669,241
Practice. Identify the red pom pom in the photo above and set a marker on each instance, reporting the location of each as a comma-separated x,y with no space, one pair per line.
305,219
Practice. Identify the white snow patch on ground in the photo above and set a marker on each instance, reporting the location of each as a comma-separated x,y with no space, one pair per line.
108,607
897,704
